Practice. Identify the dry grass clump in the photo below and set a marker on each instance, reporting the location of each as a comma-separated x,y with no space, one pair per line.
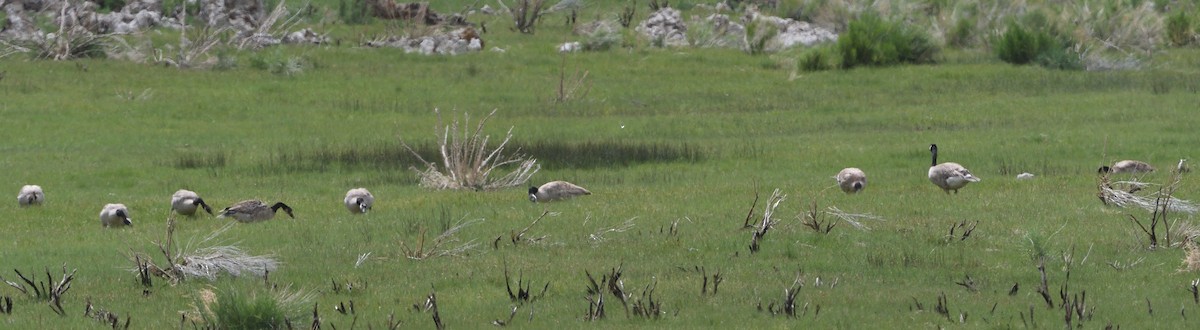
468,161
1191,257
206,262
436,247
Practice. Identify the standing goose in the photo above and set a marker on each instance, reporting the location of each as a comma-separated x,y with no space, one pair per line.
185,201
31,195
359,200
115,215
851,180
1128,166
555,190
254,211
948,176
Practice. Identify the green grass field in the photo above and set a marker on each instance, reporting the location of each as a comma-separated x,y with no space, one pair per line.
93,132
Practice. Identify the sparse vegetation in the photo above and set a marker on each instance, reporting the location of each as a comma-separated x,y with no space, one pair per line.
668,140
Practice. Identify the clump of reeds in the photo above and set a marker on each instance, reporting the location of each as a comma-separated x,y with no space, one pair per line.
435,248
468,161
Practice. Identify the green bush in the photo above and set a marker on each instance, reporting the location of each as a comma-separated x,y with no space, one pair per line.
237,311
962,34
354,12
1179,29
817,59
1020,46
870,40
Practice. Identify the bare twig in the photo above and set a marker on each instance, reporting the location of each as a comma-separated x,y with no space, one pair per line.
767,220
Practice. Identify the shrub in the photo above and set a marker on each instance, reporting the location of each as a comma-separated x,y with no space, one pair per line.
817,59
872,41
962,35
1020,46
354,12
1179,29
234,310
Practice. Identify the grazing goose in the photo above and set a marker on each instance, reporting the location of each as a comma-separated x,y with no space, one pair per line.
948,176
851,180
1128,166
114,215
254,211
555,190
359,200
185,201
31,195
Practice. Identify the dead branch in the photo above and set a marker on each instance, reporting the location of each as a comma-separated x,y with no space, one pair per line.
767,220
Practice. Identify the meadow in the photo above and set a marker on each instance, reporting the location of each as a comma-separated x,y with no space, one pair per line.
676,146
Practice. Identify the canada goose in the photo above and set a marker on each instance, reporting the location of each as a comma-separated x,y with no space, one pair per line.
254,211
31,195
948,176
115,215
851,180
1127,166
555,190
359,200
185,201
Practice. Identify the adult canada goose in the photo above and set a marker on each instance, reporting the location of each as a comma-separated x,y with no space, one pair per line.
948,176
184,202
114,215
1127,166
254,211
555,190
851,180
31,195
359,200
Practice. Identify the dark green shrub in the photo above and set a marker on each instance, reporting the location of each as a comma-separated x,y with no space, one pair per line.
870,40
354,12
1019,46
1179,29
110,5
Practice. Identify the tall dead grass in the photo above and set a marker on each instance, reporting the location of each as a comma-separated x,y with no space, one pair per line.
468,162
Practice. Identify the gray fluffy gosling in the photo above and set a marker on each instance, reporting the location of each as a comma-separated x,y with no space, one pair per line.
359,200
185,202
851,180
31,195
115,215
556,190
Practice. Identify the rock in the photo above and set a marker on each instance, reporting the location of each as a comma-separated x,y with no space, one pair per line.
664,28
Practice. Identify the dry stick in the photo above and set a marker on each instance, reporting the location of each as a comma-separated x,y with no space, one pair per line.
316,319
716,281
1195,291
753,205
1044,289
517,236
942,306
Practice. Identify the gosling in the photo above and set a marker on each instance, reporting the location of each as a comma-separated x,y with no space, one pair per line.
115,215
31,195
556,190
359,200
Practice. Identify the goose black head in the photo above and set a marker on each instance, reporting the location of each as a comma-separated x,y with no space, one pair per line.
281,205
200,202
